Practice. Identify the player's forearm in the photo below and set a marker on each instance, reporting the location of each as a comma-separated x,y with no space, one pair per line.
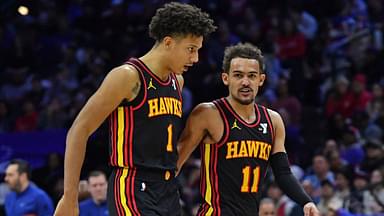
74,158
285,179
183,156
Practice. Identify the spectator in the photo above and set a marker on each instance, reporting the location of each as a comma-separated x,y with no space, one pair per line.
97,204
361,96
374,155
49,174
5,119
332,153
267,207
28,120
283,204
306,23
321,172
339,99
377,103
26,198
307,186
342,185
355,202
374,196
291,49
351,149
4,190
328,197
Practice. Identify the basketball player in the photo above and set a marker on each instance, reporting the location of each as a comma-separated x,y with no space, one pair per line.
143,101
239,138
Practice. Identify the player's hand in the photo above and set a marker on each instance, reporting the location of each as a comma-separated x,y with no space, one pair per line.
310,209
67,207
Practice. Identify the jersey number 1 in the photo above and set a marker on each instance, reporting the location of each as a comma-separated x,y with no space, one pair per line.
245,187
169,144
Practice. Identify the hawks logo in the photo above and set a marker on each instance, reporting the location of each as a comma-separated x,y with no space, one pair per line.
248,148
163,106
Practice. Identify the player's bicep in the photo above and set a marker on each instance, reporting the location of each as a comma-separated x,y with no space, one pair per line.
279,139
193,133
194,130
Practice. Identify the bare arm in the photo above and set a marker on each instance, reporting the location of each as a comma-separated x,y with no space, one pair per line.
279,129
200,127
122,82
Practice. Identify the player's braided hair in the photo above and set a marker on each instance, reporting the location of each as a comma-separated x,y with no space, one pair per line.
178,19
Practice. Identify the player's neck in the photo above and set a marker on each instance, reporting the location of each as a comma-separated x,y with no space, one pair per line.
246,112
155,61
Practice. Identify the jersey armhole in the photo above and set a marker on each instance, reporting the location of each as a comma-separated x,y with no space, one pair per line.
225,134
269,119
177,86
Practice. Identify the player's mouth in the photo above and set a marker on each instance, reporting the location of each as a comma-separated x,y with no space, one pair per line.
245,91
186,67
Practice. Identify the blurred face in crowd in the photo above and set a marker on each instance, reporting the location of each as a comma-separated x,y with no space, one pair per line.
341,181
330,146
376,176
320,165
267,209
377,91
359,183
13,178
357,86
243,79
374,152
307,186
342,86
326,191
274,192
97,186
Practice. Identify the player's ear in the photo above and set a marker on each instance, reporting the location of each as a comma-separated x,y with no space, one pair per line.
224,77
262,79
167,40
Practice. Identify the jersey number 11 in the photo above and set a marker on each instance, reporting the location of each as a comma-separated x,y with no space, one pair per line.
245,187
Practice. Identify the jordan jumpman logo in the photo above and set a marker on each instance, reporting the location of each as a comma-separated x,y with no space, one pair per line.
150,85
235,125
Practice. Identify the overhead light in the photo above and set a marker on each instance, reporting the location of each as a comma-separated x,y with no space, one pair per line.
23,10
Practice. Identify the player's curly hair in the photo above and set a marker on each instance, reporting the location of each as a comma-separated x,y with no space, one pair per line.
242,50
178,19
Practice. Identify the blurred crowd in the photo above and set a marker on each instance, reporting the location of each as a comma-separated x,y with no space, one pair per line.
325,76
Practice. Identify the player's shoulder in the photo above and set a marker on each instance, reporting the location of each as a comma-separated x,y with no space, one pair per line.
205,110
125,70
275,116
206,106
123,76
272,113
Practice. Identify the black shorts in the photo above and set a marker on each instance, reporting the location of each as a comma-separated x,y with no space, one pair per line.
137,192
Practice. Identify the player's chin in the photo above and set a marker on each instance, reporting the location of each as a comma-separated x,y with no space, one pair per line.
246,100
181,71
178,72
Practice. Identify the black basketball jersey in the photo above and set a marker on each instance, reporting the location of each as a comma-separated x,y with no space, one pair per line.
235,167
144,132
